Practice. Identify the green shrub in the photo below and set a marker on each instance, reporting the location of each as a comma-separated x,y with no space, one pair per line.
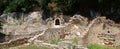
19,5
75,41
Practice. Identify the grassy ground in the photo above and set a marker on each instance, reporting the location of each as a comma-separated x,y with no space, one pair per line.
40,47
98,47
75,41
28,47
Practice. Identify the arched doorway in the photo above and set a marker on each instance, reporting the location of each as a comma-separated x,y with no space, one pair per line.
57,22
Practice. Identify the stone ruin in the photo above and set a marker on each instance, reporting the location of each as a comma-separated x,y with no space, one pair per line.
103,32
100,30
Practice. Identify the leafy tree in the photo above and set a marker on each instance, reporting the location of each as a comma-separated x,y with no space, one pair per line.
69,7
19,5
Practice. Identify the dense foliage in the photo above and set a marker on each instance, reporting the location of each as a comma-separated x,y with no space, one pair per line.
109,8
16,5
57,5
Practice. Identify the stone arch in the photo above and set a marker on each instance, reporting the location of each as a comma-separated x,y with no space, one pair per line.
57,22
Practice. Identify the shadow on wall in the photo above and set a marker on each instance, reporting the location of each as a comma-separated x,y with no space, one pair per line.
2,37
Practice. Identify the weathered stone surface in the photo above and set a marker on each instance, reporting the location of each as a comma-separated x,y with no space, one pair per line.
13,43
117,40
103,33
79,47
65,45
52,34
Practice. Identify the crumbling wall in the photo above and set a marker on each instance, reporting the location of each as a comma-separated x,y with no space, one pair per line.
52,34
13,43
103,32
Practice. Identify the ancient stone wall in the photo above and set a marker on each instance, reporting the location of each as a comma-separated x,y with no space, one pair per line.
103,33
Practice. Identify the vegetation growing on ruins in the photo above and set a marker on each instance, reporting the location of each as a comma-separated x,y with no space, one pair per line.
75,40
55,41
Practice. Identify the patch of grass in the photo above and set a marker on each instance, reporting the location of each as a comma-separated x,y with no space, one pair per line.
29,47
75,41
55,41
43,48
98,47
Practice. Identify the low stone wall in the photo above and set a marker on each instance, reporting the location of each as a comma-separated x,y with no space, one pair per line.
61,45
13,43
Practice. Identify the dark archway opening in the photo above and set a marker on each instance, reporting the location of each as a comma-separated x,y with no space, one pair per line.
57,22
